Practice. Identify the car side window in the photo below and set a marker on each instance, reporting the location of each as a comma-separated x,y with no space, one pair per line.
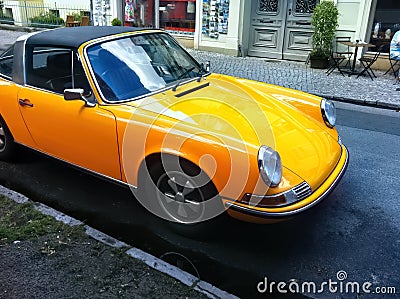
55,69
6,63
48,68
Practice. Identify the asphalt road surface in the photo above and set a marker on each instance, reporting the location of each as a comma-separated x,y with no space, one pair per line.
354,232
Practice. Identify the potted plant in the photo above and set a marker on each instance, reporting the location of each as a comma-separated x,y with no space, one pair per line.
325,21
116,22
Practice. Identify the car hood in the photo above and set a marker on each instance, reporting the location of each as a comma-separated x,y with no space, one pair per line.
238,114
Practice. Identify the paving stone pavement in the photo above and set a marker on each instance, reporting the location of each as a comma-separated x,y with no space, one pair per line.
8,37
381,91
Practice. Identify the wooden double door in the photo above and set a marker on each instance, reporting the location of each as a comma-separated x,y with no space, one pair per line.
281,29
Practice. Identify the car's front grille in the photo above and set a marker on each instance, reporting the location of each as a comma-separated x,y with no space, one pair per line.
302,190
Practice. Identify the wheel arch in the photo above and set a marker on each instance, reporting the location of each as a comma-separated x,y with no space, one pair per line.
158,157
6,125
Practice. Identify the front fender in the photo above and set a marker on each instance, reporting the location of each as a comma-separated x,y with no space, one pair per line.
308,104
232,170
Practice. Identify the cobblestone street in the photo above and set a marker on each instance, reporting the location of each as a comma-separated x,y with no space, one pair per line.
298,75
381,91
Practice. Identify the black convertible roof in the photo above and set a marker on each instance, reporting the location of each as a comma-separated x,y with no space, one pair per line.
75,36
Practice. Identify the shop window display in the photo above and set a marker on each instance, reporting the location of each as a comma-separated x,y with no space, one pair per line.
178,17
215,19
139,13
385,23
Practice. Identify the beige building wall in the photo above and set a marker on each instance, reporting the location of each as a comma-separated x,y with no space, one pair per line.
66,3
354,16
20,15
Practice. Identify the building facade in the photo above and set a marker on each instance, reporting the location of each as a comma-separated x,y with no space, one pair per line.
273,29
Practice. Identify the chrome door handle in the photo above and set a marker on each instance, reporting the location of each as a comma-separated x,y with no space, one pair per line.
25,102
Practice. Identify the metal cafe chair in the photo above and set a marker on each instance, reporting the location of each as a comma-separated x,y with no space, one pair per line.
340,51
336,61
339,55
367,61
394,65
85,21
70,21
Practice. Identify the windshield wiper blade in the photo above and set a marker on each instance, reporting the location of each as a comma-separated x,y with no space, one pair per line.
180,78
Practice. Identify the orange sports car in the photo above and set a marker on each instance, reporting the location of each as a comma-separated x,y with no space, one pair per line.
133,106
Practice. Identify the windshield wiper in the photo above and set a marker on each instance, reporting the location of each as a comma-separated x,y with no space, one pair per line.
180,77
201,74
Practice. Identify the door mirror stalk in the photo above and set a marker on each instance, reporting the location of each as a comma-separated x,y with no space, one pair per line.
207,66
77,94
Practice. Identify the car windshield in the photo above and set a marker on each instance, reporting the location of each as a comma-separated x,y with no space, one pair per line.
131,67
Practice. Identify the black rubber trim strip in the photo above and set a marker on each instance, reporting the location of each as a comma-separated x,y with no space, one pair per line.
191,90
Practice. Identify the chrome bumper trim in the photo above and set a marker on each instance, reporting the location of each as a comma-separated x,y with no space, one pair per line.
291,196
257,213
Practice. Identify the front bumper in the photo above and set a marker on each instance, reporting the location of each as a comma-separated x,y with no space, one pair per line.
243,211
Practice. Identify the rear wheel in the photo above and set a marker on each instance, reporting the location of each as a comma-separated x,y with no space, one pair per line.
7,145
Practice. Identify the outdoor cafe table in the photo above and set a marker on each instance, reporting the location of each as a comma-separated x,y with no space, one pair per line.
356,45
73,23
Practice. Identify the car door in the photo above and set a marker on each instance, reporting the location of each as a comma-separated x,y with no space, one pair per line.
69,130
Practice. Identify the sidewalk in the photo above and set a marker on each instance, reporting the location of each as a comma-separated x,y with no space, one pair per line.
381,92
8,37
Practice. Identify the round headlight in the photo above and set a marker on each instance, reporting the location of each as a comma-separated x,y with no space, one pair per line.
270,165
328,112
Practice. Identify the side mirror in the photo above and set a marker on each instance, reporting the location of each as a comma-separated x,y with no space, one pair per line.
207,66
73,94
77,94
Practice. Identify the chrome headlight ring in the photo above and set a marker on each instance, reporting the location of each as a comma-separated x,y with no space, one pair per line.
328,111
270,165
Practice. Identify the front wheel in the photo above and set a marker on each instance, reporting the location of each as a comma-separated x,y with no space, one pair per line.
181,192
7,145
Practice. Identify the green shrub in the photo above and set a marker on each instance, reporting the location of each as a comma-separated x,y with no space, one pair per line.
77,16
6,20
116,22
46,20
325,21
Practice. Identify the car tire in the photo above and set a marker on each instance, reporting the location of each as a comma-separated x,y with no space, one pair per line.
176,190
7,144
